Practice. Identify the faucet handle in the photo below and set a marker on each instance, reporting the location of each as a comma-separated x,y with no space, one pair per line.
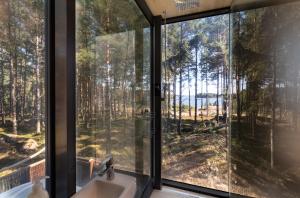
110,161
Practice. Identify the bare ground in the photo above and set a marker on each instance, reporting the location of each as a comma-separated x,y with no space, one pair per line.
200,157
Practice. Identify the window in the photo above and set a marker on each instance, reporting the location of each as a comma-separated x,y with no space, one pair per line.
22,92
113,86
194,111
265,102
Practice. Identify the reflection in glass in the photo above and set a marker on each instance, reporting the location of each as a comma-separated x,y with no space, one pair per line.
22,93
113,86
265,132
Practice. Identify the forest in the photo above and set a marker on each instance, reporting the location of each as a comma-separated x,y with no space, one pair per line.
230,97
230,102
112,85
196,72
22,84
265,101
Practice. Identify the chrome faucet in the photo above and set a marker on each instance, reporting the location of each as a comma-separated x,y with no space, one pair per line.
106,166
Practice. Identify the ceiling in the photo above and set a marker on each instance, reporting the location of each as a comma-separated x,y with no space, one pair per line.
174,8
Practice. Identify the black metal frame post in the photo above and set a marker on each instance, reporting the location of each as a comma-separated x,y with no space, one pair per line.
157,100
152,103
148,15
61,155
60,99
50,96
145,9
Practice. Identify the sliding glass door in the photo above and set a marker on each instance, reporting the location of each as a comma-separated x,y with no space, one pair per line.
195,82
265,134
112,88
230,107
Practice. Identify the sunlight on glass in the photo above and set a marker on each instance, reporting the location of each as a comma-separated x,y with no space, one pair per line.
113,88
22,92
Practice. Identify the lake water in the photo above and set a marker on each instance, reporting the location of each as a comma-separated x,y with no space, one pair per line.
185,100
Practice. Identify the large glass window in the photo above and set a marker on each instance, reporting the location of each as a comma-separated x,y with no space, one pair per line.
113,86
22,92
253,152
265,133
195,82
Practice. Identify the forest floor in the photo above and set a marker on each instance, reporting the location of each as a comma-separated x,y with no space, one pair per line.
13,149
197,157
92,144
252,174
200,157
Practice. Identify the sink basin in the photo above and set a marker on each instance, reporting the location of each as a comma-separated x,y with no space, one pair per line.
99,189
122,186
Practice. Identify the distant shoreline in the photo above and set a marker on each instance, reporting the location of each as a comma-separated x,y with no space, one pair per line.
185,100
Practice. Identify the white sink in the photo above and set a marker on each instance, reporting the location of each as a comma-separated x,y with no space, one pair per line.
122,186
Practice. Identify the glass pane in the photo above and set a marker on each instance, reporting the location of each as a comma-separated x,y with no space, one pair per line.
195,81
113,87
265,132
22,95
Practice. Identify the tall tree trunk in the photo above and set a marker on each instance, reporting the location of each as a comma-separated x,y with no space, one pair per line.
13,63
285,97
180,84
165,81
218,84
13,94
238,100
125,78
222,87
38,91
180,102
201,92
78,97
103,112
2,94
273,120
107,85
133,100
174,96
24,99
124,100
224,98
238,89
196,87
115,106
169,99
242,96
189,87
17,91
108,102
295,102
206,84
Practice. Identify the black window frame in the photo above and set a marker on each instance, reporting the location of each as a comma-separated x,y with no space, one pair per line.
158,181
60,96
